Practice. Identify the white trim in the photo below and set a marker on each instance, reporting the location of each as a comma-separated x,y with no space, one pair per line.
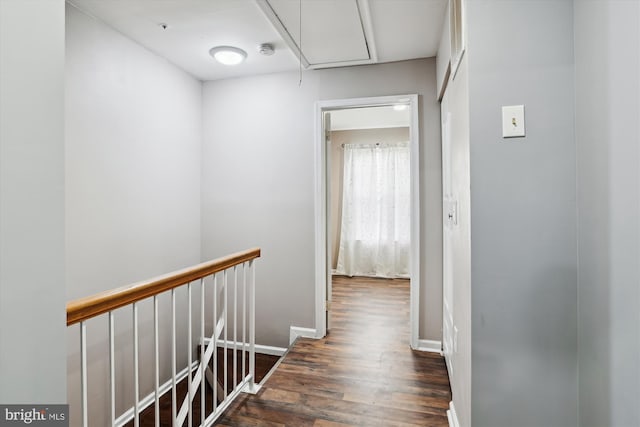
149,399
320,202
295,332
367,28
458,52
414,290
272,16
431,346
262,349
452,416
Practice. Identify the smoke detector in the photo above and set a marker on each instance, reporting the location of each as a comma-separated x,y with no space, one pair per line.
266,49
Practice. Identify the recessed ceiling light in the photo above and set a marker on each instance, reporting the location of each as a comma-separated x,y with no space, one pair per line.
228,55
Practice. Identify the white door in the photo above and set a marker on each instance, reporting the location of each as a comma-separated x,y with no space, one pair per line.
449,220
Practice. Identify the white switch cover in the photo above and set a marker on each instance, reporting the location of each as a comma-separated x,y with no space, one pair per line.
512,121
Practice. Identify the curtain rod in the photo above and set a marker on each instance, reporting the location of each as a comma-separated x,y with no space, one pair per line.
377,144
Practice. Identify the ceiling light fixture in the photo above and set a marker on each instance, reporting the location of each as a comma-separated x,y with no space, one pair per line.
228,55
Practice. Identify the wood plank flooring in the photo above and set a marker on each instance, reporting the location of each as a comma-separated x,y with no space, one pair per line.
362,374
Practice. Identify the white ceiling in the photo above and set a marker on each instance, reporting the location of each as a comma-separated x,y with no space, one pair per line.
334,31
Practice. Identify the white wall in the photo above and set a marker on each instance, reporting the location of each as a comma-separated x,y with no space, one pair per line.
607,106
32,293
133,144
258,181
523,215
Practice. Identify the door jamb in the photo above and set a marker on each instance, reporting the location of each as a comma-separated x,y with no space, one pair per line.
322,273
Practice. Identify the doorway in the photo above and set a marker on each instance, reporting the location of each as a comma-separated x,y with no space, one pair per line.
326,236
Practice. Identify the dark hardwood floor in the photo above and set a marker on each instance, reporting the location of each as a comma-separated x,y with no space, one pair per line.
362,374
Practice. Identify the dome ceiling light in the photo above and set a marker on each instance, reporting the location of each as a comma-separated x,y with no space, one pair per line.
228,55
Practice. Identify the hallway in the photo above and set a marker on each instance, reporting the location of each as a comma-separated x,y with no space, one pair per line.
362,373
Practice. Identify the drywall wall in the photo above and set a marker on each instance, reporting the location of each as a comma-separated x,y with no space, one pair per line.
607,103
32,293
523,215
133,141
258,181
353,136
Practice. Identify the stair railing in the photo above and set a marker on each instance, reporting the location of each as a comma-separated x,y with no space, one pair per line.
214,273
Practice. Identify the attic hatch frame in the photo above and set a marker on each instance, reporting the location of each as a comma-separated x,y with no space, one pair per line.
364,13
321,207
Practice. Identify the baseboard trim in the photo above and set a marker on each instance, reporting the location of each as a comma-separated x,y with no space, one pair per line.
452,416
430,346
295,332
262,349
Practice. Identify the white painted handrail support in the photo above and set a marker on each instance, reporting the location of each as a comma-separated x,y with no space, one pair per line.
252,386
174,397
226,304
208,351
83,373
199,374
202,332
112,370
136,371
156,376
190,358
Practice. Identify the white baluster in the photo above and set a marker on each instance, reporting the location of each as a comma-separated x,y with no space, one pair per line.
252,327
215,343
226,323
112,369
235,326
83,373
136,373
203,367
174,397
157,361
244,320
190,359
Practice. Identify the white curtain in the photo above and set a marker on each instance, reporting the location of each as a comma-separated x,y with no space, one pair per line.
375,230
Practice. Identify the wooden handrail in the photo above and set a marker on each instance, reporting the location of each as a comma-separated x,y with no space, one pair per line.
85,308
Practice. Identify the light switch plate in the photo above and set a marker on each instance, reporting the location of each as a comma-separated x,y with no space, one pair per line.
513,121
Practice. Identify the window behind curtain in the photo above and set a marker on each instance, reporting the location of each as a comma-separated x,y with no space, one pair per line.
375,227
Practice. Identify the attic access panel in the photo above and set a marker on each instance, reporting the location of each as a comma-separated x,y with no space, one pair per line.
334,32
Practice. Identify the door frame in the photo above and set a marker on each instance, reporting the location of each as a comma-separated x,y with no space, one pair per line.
321,206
